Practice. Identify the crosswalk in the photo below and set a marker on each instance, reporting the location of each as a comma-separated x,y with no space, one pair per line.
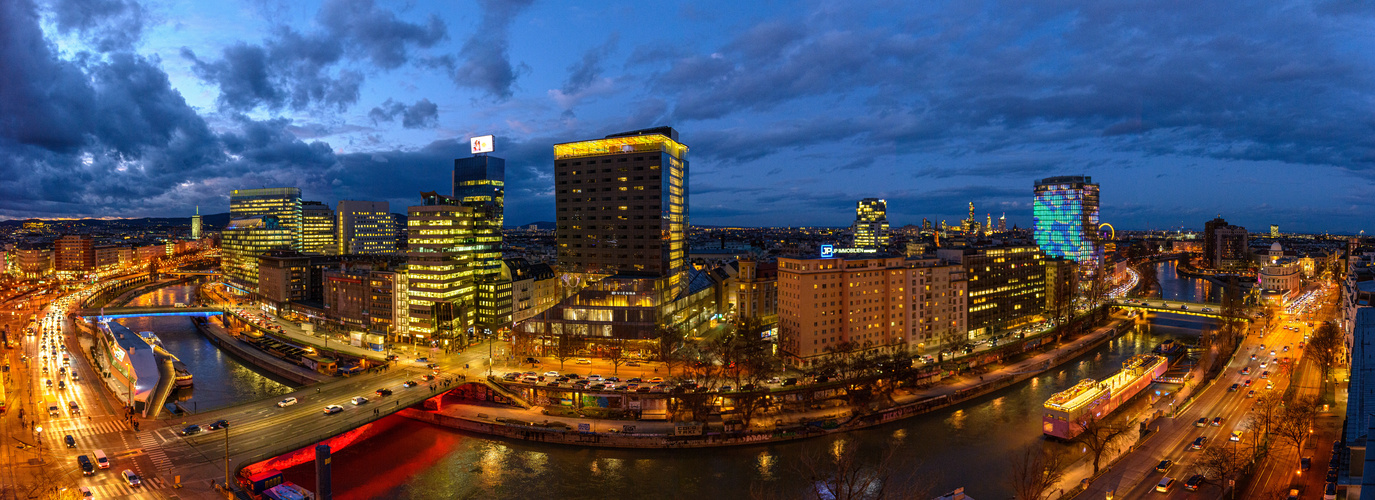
154,451
117,488
85,434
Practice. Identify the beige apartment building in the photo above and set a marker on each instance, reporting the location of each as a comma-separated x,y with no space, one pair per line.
881,303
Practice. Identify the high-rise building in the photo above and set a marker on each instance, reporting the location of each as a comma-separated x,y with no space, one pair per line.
196,224
479,184
1065,214
1274,230
74,254
366,227
1007,284
1225,246
622,208
866,302
871,224
439,264
317,233
260,220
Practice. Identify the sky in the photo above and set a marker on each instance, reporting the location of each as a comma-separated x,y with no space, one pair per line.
1262,112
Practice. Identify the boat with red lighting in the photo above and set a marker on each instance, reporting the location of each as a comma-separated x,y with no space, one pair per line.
1091,399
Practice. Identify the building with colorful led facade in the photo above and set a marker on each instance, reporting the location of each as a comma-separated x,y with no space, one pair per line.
871,224
1065,214
622,209
479,184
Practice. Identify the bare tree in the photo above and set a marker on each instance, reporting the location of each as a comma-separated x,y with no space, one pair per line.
616,355
1324,346
1035,470
749,403
842,474
670,343
1266,413
1295,423
1099,435
1222,461
564,350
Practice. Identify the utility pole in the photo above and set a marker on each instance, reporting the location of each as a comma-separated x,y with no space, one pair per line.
226,458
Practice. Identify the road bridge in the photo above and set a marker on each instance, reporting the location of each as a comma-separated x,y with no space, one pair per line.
1205,309
140,311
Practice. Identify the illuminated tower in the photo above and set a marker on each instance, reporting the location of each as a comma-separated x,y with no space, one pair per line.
1065,214
1274,230
439,265
196,224
479,184
871,224
260,220
1002,222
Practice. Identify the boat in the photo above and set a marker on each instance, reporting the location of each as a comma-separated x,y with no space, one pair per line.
183,374
1168,347
1067,410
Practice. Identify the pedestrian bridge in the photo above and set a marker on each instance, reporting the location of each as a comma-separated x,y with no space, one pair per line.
141,311
1205,309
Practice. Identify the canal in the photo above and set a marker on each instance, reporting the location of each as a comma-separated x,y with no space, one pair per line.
966,445
220,378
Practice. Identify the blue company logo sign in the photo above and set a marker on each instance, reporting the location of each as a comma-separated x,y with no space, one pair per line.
828,251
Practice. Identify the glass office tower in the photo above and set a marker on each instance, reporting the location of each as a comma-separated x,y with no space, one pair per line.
1066,218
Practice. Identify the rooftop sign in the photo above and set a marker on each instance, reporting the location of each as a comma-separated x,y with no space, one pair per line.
482,144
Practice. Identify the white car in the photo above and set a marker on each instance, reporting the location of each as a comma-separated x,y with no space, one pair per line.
286,402
594,378
130,477
331,409
359,400
551,374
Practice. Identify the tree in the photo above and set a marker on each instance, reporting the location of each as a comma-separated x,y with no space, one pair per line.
616,355
749,403
670,343
563,351
1222,461
1324,346
1099,435
1098,285
1265,414
1295,423
1035,470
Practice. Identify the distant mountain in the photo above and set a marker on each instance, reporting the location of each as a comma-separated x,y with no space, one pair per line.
541,225
210,222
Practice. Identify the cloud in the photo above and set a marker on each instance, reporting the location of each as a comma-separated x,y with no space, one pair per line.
422,114
377,34
106,25
484,62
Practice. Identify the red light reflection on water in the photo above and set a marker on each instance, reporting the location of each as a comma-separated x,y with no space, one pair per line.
382,462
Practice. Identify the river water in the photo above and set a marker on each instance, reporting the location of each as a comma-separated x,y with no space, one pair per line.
965,445
220,379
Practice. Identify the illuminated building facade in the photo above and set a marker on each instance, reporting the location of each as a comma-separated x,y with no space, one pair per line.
196,224
1007,284
282,203
871,224
757,296
1225,246
479,184
247,239
34,262
622,208
317,231
74,254
366,227
441,292
869,303
1274,230
1065,214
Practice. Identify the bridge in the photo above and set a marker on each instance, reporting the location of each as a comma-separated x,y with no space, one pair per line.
207,272
140,311
1205,309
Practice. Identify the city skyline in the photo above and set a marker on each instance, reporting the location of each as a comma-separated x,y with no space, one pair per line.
144,112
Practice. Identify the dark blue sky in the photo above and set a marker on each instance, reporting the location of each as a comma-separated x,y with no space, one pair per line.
1263,112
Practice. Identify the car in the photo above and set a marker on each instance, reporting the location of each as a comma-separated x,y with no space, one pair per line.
1329,491
1253,357
286,402
87,467
551,374
1198,443
1265,374
85,493
332,409
1305,463
50,382
1194,482
1246,371
428,377
790,382
1269,386
1233,388
130,478
409,383
1293,494
656,380
1236,436
422,360
71,441
73,408
1164,465
219,424
1250,394
1165,485
1217,421
191,429
359,400
1247,382
583,361
1201,422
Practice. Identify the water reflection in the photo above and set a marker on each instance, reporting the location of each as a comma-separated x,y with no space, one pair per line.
220,379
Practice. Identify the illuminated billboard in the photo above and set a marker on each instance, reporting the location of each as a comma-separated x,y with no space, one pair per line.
483,144
827,251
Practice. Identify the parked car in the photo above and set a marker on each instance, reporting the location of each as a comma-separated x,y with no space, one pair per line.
286,402
583,361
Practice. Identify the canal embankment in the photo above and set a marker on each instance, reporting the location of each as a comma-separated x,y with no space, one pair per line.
222,339
514,423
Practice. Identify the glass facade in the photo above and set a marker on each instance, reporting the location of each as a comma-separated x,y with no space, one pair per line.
317,233
261,220
479,184
1066,218
366,228
440,286
871,224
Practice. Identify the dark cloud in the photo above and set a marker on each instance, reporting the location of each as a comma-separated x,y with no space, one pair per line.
484,62
422,114
107,25
377,34
581,74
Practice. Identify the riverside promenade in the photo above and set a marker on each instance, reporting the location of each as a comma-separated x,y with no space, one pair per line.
533,425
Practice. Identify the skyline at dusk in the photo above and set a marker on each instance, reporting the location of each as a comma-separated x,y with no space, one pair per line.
791,112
